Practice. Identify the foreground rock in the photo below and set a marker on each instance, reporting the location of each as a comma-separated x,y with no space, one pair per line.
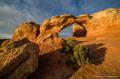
18,59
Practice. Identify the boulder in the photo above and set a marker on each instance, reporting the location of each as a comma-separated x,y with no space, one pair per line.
18,59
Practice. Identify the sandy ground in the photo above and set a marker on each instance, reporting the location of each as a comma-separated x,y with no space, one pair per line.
107,50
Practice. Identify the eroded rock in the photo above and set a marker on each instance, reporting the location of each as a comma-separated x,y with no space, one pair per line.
18,59
27,29
50,29
55,24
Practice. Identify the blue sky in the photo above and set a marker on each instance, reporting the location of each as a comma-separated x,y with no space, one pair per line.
13,12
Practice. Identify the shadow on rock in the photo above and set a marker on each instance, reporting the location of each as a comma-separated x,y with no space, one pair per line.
97,52
53,65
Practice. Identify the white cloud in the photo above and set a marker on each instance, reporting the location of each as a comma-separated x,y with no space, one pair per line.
10,17
37,10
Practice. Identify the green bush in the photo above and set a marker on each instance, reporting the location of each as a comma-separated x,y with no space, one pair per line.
81,55
78,55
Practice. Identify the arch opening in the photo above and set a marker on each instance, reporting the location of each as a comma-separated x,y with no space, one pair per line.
74,30
66,32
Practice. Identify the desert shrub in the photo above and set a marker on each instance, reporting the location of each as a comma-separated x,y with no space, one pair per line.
78,55
81,55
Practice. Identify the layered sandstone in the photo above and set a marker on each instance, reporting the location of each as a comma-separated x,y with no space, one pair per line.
18,59
28,30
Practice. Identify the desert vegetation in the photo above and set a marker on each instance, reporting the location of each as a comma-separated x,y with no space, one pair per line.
78,55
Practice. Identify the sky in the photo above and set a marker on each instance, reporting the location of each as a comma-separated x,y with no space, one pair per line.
14,12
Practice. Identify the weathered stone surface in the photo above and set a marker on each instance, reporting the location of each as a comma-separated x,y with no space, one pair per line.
50,29
50,45
27,29
18,59
55,24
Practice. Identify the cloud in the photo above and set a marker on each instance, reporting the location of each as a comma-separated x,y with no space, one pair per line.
10,17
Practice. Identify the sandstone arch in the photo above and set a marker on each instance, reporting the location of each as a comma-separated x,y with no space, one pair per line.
51,27
46,33
48,39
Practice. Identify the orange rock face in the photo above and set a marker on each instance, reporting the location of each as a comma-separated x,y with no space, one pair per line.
55,24
28,29
103,22
79,31
50,29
